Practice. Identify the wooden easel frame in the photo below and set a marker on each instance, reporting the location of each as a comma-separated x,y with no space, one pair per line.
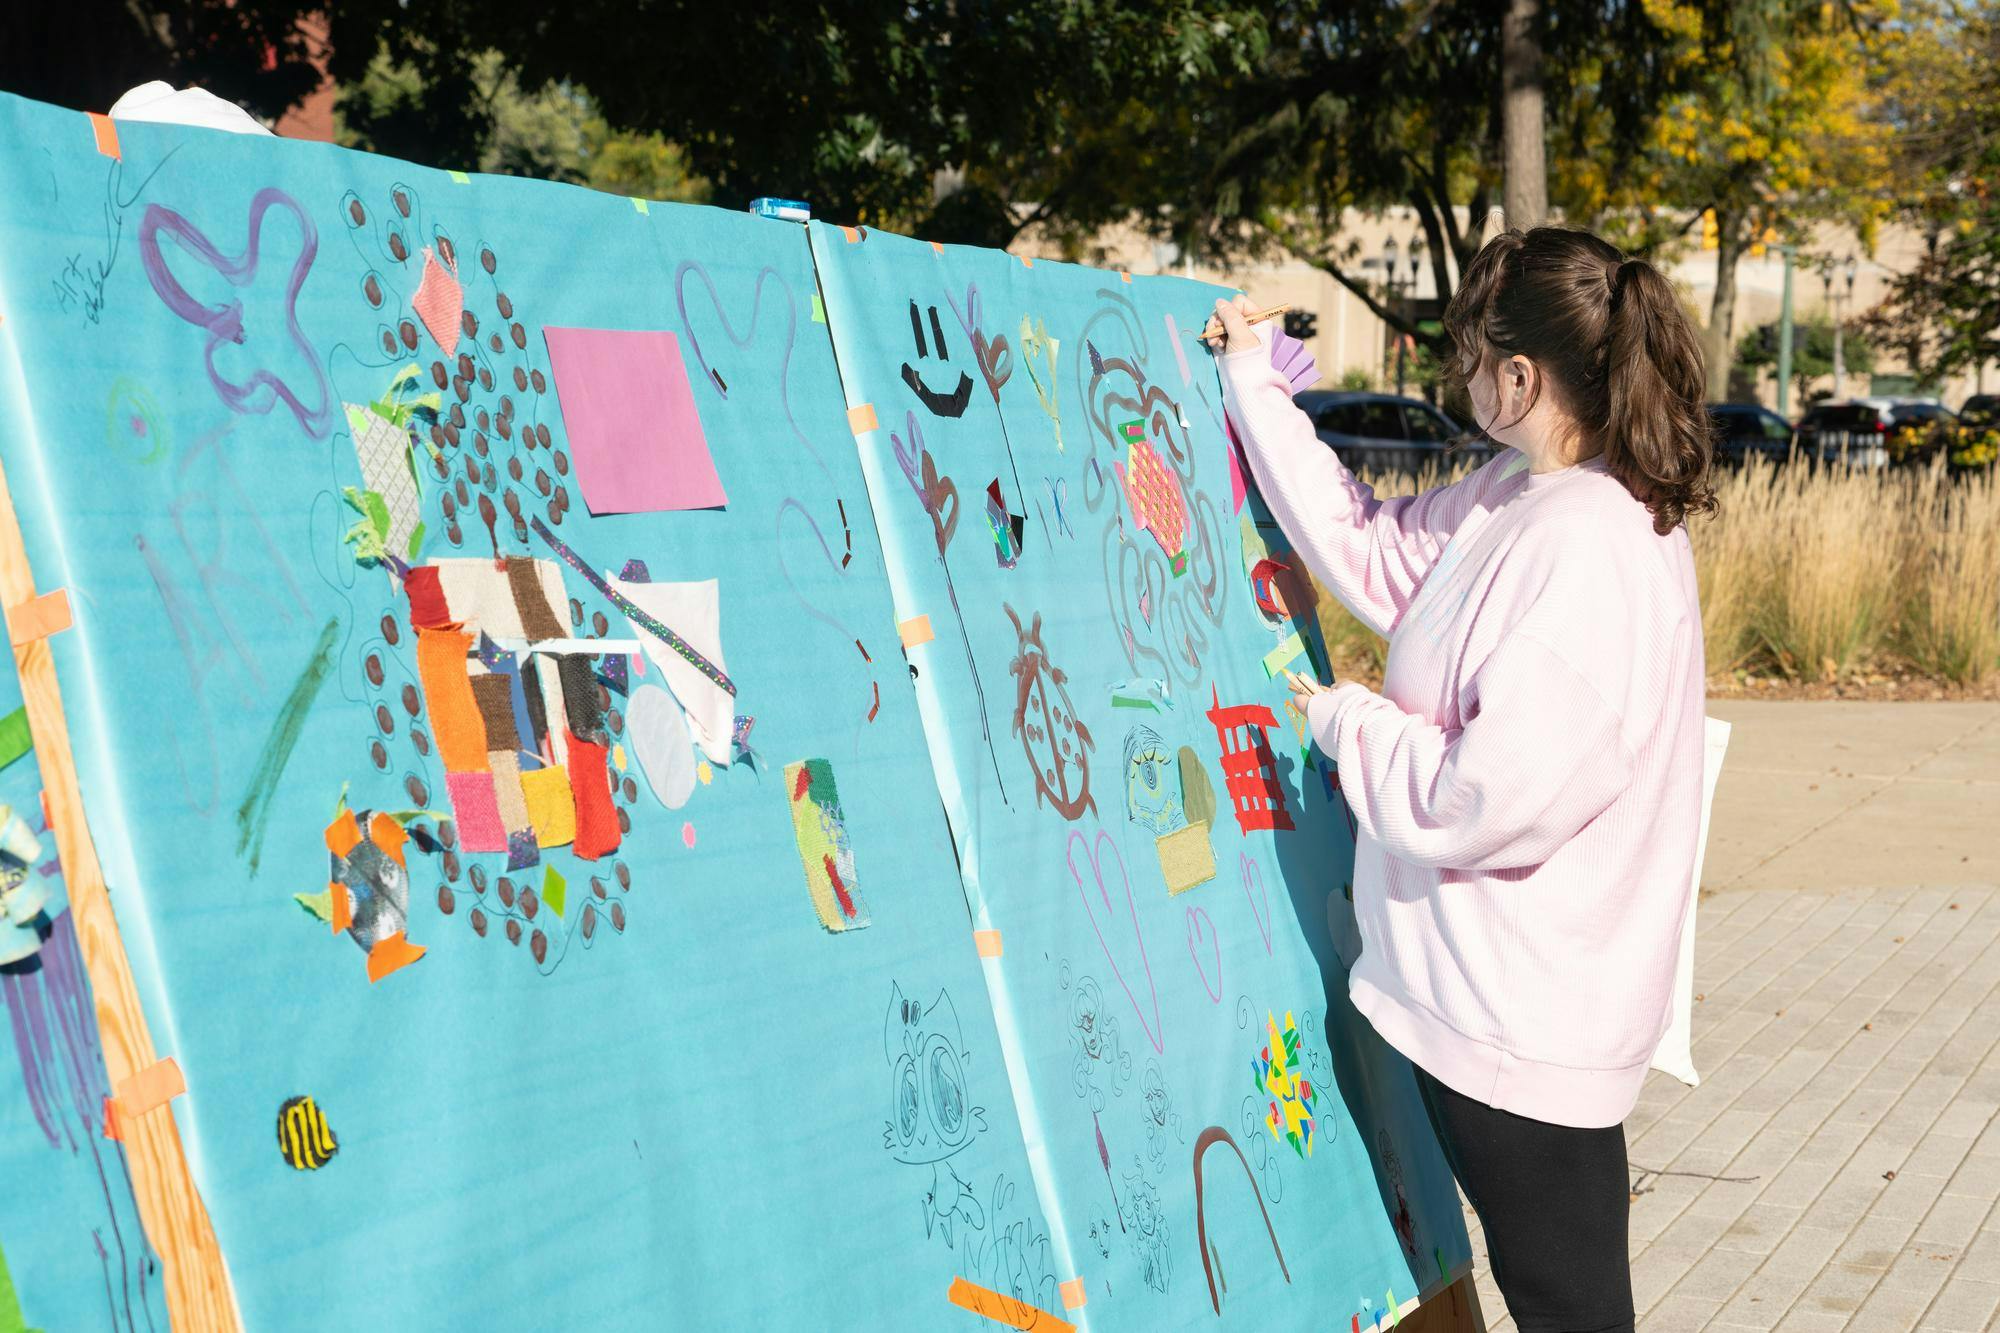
171,1211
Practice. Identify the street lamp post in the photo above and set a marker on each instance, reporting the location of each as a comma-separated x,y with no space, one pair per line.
1402,294
1842,302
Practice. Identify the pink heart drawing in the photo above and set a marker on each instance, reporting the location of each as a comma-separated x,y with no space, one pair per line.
1195,930
1153,1032
1251,870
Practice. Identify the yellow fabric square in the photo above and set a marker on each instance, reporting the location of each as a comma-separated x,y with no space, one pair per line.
551,808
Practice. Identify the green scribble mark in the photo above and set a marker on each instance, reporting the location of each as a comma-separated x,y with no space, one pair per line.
11,1318
255,811
317,904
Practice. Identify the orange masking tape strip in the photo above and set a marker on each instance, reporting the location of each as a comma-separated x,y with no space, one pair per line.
916,630
341,914
861,419
1072,1294
851,233
1005,1309
150,1089
38,619
938,246
106,131
987,942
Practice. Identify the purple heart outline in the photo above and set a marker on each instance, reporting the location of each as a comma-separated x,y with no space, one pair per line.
225,323
1251,870
1153,1032
1197,918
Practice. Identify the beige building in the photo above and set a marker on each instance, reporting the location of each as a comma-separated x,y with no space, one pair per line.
1350,338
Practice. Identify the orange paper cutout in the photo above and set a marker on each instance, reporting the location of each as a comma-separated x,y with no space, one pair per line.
388,835
341,913
343,835
1005,1309
392,953
38,619
455,721
106,131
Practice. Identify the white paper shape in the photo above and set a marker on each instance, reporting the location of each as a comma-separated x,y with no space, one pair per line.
693,611
657,732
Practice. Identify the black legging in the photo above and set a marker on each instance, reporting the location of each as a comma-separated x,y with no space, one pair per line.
1555,1203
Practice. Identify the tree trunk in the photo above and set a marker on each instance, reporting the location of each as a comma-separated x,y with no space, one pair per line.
1719,342
1526,198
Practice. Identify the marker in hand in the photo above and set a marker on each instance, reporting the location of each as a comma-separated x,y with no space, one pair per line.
1303,689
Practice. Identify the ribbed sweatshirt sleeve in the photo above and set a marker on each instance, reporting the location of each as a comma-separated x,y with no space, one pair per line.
1543,757
1371,554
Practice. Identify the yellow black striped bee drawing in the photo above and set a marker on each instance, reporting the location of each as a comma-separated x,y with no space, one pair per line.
303,1136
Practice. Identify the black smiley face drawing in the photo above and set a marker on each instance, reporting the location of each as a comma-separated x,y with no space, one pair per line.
951,404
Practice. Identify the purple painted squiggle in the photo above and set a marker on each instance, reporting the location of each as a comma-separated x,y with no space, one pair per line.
62,1072
224,323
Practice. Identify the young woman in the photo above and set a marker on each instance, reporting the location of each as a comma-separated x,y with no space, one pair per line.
1528,781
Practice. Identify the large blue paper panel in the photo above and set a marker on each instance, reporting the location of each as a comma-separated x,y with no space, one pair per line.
1139,1009
687,1121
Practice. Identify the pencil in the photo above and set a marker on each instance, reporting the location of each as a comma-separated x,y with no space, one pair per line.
1214,326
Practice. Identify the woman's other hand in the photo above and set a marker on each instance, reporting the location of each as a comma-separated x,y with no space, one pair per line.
1238,335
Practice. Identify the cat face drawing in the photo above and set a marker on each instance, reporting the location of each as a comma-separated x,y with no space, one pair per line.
930,1116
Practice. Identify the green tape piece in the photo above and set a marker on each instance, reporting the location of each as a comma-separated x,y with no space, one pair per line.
639,204
555,890
819,310
459,177
11,1318
1284,654
15,738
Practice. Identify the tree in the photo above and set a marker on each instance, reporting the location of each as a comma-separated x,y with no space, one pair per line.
1773,133
1812,352
556,133
965,121
1945,101
1359,107
84,53
1525,178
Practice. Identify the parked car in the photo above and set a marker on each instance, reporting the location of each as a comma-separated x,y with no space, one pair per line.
1384,433
1982,411
1746,430
1874,432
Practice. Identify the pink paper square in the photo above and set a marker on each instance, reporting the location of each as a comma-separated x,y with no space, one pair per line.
476,812
439,303
629,412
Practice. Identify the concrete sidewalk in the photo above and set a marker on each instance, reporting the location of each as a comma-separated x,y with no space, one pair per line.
1839,1166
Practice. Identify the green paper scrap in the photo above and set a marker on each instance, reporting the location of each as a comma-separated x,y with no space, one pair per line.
1284,654
317,904
819,310
555,890
639,203
15,737
459,178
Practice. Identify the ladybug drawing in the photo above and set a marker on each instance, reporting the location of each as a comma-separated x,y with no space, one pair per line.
1056,742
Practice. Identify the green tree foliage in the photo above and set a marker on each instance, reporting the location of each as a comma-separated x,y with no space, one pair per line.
1812,352
556,132
1945,100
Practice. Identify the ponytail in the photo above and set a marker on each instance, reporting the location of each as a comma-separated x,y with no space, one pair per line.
1657,438
1612,340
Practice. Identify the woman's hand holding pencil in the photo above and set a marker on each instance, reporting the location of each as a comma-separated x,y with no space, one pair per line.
1232,320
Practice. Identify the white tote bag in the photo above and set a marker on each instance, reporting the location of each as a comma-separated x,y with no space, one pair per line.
1676,1051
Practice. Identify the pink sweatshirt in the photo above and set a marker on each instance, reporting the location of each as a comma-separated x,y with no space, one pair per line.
1528,783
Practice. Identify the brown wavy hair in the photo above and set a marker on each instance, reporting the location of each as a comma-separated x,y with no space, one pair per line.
1613,342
